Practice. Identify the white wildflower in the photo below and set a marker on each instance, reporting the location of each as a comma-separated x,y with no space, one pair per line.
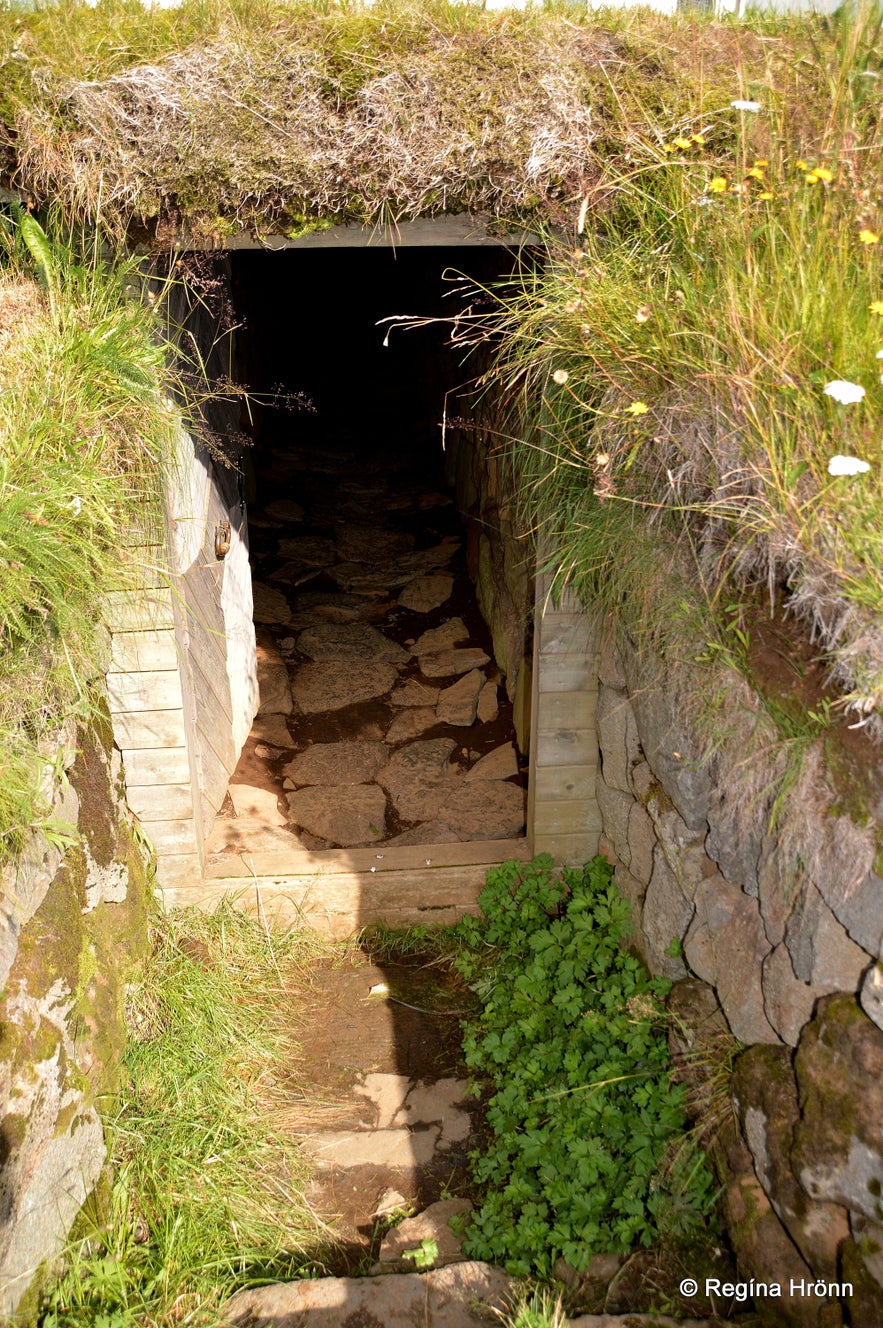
75,505
845,393
847,465
752,106
560,376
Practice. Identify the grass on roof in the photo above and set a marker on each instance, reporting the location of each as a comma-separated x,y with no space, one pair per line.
214,117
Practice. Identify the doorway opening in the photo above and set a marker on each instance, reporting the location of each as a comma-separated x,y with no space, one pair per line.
385,722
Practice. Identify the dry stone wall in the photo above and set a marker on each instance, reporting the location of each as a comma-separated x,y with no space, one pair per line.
771,927
72,931
500,558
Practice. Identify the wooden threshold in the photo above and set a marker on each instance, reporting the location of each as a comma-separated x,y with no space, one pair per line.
339,891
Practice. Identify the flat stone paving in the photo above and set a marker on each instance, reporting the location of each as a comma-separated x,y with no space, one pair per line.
368,633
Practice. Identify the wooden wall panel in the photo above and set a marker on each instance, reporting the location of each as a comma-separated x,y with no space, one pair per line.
563,814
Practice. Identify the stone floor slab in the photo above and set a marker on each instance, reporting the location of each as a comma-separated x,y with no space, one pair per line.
273,687
270,606
429,832
419,777
349,641
501,763
401,1149
458,703
426,593
410,723
414,693
488,704
245,834
485,809
447,663
451,633
432,1224
387,1094
337,683
436,1103
336,763
262,804
351,815
272,729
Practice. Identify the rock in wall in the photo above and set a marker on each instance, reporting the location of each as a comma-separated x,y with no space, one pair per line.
73,928
747,876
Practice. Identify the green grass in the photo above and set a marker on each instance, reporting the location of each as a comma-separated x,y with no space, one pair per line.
538,1308
666,374
208,1187
85,430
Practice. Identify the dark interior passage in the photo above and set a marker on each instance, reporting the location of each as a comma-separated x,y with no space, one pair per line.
313,325
382,717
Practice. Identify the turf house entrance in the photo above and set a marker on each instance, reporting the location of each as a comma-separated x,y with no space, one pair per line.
679,621
394,713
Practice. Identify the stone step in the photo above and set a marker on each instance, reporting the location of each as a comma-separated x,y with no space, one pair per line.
461,1295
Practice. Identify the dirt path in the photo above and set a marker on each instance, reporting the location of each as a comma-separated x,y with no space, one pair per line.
382,1102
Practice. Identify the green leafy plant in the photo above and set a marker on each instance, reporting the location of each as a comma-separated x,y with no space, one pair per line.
571,1042
425,1255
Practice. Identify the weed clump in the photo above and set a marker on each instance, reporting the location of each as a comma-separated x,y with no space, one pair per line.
695,378
208,1188
571,1040
85,432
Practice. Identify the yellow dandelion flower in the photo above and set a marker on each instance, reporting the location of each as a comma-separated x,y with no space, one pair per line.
637,408
755,173
718,185
761,162
699,140
668,147
682,143
801,165
811,178
765,197
869,237
824,174
876,307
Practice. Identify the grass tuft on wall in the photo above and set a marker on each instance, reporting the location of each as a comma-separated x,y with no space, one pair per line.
696,379
85,429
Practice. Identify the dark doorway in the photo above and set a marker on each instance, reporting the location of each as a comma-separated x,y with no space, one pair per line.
362,598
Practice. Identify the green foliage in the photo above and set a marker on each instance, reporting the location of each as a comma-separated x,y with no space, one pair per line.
85,429
537,1308
425,1254
572,1041
667,373
209,1188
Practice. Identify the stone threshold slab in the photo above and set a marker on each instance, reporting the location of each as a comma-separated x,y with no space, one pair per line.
336,893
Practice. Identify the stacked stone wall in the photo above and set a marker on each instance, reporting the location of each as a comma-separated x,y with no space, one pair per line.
500,558
73,929
762,903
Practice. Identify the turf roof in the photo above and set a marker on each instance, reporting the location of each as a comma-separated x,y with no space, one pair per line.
282,118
